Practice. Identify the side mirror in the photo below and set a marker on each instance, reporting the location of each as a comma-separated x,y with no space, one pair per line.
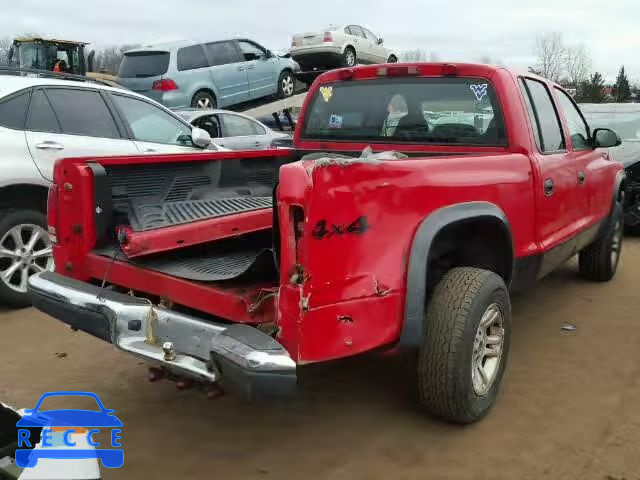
10,54
380,41
200,138
269,54
605,138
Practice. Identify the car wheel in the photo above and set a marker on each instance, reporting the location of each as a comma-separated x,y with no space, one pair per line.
599,261
286,85
349,57
392,59
203,100
467,331
25,249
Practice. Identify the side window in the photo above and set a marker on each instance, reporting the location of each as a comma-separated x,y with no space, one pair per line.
547,120
222,53
578,128
237,126
357,31
210,124
532,114
82,112
40,117
251,51
370,36
347,30
151,124
14,110
190,58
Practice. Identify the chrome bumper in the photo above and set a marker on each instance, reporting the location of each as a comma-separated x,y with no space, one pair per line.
238,356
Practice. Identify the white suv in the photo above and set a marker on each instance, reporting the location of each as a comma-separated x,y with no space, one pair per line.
343,46
43,120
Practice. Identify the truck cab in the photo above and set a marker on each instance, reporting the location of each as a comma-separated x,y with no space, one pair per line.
36,53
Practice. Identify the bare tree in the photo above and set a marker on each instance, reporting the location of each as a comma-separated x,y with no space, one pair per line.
5,45
577,64
416,55
551,55
108,59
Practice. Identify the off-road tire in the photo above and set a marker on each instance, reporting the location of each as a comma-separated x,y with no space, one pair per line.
205,97
597,262
346,58
453,314
8,220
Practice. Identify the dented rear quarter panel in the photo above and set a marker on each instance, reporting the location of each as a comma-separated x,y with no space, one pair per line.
351,299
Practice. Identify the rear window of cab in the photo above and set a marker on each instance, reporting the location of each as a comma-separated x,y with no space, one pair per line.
439,111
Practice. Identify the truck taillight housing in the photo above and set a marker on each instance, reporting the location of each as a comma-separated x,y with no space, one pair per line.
328,37
52,213
164,85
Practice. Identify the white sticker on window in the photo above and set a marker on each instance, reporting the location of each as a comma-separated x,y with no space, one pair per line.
335,121
479,90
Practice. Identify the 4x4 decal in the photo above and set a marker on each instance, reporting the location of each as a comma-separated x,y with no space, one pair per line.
324,230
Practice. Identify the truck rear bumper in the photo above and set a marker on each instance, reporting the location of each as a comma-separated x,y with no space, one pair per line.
240,357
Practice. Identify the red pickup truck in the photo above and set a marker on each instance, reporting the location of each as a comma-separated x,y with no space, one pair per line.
237,268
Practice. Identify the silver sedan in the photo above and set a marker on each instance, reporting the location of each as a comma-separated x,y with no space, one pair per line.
232,130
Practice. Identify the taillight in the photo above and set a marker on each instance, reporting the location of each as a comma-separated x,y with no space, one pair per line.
398,71
295,42
52,213
328,37
165,85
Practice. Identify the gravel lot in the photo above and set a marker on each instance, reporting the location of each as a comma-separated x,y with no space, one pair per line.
568,408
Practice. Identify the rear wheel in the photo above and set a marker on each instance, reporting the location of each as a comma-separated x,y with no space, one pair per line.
467,331
286,85
203,100
349,57
25,249
599,261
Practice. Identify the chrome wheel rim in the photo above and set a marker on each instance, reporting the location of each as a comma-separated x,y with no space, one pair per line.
351,58
616,243
287,86
24,251
204,103
487,349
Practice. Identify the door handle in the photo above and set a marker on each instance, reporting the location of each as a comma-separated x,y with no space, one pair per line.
548,187
150,150
49,145
241,69
251,67
582,177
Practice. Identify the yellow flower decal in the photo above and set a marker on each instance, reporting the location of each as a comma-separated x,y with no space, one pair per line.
327,93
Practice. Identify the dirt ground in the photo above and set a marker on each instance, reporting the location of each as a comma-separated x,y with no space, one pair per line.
569,406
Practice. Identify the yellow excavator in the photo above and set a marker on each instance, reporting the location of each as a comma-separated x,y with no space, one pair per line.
42,54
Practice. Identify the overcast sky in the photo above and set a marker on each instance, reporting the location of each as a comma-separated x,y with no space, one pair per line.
455,30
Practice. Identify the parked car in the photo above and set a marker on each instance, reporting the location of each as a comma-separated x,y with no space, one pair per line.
339,46
625,120
281,263
43,120
232,130
207,75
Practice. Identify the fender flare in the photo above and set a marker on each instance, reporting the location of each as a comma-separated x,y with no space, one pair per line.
416,286
617,197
